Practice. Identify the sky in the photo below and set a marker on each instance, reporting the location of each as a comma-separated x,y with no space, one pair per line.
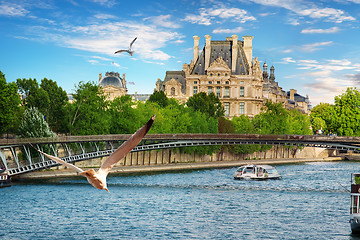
313,45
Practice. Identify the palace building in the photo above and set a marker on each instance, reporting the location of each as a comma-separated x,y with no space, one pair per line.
113,85
227,69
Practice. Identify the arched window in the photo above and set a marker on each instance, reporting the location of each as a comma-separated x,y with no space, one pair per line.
172,91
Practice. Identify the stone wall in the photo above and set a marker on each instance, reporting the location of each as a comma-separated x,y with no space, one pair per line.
168,156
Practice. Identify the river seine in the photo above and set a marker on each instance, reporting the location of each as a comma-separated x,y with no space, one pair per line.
311,201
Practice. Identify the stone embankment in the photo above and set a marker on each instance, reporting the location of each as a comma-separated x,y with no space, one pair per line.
176,167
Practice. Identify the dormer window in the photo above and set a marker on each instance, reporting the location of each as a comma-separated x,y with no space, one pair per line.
211,74
227,82
210,82
195,82
218,74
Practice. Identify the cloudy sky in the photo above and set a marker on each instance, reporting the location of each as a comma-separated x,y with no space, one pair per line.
313,45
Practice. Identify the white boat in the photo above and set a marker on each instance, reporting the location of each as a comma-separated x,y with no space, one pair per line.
256,172
355,203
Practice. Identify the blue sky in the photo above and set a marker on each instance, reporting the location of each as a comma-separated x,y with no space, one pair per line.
313,45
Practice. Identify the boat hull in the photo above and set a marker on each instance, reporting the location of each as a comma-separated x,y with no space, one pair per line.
355,225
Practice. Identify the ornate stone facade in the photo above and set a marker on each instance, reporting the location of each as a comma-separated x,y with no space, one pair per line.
113,85
226,68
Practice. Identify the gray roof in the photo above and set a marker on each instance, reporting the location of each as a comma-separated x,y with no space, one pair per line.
297,97
112,79
222,49
178,76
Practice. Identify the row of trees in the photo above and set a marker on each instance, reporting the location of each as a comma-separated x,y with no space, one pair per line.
90,113
341,118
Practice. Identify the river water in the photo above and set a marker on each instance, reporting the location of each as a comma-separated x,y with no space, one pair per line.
311,201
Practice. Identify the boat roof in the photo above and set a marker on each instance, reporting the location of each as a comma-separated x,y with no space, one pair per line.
255,165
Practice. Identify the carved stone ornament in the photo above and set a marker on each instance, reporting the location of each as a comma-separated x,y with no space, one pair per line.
219,65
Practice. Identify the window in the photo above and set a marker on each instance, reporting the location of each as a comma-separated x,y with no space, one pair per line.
218,82
195,89
210,82
227,95
242,108
227,109
211,74
218,94
218,74
172,91
242,82
225,74
209,90
242,91
195,82
227,82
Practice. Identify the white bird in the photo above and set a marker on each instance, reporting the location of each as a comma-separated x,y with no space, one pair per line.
98,179
128,50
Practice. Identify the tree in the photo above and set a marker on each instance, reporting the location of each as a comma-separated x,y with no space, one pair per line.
208,104
347,107
123,117
87,115
58,99
33,125
34,95
10,110
160,98
323,116
273,120
298,123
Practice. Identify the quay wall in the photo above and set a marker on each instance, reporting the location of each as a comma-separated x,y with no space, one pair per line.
171,156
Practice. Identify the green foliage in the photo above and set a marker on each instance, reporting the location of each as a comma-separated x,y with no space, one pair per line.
208,104
10,109
298,123
56,114
87,115
160,98
273,120
323,116
243,125
34,95
347,107
33,125
123,117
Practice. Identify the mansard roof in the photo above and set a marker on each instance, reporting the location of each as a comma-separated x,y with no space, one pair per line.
297,97
222,49
178,76
112,79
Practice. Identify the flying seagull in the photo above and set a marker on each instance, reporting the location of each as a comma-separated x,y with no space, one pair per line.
98,179
129,51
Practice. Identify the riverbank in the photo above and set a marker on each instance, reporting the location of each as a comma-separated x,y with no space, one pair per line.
175,167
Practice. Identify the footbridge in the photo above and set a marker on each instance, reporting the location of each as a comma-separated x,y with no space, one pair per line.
18,157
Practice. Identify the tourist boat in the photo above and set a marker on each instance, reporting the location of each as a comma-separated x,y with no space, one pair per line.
256,172
355,203
5,180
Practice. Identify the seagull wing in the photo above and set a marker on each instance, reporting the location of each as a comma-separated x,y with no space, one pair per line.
126,147
58,160
120,51
132,42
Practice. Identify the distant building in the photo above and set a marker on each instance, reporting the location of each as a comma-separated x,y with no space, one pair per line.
113,85
227,69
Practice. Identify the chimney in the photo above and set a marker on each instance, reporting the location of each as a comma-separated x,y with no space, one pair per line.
100,77
292,93
207,51
196,48
234,52
248,48
123,80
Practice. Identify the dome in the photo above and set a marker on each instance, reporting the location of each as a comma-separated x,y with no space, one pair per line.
112,79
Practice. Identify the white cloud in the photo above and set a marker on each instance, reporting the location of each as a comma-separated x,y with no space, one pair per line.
14,10
235,30
329,30
106,3
288,60
307,9
106,38
163,21
314,46
207,15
